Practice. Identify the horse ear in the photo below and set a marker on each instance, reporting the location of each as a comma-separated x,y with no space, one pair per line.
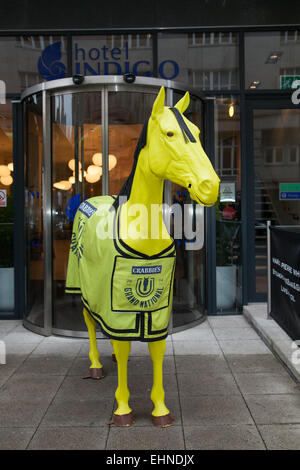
159,102
183,103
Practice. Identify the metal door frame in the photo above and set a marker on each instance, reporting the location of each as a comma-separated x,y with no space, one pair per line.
255,101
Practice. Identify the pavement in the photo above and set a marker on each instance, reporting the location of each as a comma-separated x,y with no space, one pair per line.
223,385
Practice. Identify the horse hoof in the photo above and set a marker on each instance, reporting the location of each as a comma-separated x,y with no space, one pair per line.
114,359
95,373
122,420
162,421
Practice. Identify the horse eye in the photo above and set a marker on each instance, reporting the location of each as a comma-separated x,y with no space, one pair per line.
170,134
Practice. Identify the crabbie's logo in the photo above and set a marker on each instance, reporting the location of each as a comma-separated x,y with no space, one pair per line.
146,290
146,269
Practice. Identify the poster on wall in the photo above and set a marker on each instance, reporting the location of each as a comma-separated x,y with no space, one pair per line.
3,198
285,280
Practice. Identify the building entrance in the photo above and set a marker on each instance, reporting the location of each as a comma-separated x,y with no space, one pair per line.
273,180
79,143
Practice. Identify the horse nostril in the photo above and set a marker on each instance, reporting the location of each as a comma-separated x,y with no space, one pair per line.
206,186
189,186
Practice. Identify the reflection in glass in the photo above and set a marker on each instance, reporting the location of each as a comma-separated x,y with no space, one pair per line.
271,56
228,206
6,211
34,214
276,160
127,113
206,60
76,176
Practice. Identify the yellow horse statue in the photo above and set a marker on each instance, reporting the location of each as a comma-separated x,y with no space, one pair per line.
123,271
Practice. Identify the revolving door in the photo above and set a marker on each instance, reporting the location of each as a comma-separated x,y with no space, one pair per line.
79,143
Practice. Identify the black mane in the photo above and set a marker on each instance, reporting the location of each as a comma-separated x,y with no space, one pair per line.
126,188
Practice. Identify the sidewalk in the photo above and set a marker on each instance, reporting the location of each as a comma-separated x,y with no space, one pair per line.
223,385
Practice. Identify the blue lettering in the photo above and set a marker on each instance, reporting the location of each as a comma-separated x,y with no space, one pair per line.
92,56
118,70
90,70
115,52
136,65
77,50
175,67
104,49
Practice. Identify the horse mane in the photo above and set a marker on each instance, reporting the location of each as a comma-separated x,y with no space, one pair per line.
126,188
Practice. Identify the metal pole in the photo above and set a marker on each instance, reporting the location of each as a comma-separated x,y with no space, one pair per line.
47,214
269,268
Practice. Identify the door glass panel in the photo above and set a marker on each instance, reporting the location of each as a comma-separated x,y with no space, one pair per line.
6,210
127,113
34,212
276,160
76,147
228,205
188,299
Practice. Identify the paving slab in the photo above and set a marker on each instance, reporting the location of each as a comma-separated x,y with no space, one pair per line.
266,383
217,409
227,321
207,384
254,363
281,436
15,438
49,365
201,364
145,438
69,438
238,333
247,346
182,348
226,437
79,412
274,409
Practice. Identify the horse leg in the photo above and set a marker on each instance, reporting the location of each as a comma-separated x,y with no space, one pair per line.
160,414
96,368
123,414
113,356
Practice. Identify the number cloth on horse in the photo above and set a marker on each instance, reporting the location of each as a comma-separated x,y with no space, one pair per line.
127,292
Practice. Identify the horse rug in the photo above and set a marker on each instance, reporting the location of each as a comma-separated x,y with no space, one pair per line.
127,292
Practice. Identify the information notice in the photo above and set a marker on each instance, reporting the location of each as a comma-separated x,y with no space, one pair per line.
285,280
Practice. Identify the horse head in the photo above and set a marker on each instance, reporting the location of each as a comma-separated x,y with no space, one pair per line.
176,153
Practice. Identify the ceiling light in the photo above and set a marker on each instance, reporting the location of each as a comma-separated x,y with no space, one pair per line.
4,170
71,164
94,170
11,166
231,110
63,185
97,159
273,57
92,178
6,180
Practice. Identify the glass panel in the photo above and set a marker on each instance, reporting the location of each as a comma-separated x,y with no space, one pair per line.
276,154
6,210
113,54
188,299
228,206
76,147
270,56
27,60
127,113
34,211
206,60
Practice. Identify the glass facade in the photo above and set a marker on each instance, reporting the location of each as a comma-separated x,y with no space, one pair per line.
6,209
271,57
206,60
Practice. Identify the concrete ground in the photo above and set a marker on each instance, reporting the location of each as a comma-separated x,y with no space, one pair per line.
223,385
